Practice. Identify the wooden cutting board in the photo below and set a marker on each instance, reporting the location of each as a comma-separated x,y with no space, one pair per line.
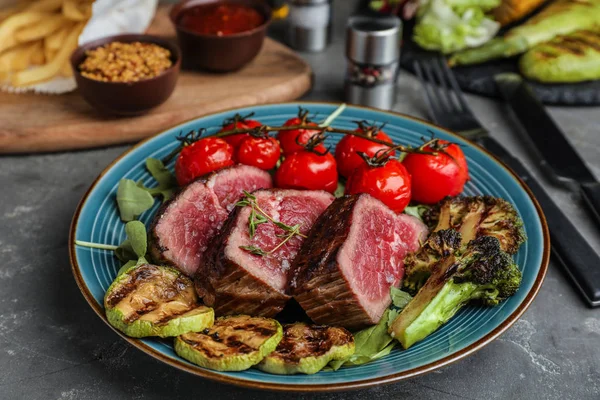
40,123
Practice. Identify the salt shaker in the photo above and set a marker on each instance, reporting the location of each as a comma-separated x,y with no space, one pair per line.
373,52
309,24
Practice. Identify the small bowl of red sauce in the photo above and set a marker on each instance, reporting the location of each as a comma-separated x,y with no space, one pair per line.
220,35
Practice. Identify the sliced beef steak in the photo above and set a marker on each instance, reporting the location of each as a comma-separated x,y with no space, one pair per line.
232,280
183,226
353,255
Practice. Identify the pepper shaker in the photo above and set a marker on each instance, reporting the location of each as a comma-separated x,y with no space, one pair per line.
309,24
373,52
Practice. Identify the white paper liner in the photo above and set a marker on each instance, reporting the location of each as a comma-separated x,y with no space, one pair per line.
109,17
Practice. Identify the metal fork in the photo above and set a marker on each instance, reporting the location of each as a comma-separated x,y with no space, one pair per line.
448,108
444,98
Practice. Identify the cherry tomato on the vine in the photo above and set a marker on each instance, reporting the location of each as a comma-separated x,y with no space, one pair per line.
437,176
306,169
289,139
346,151
236,140
389,183
202,157
261,152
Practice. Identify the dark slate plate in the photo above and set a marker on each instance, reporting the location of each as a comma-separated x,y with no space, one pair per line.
479,79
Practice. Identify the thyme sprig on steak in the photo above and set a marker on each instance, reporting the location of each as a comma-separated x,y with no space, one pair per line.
259,216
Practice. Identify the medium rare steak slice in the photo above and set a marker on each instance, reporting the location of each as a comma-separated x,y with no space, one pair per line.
183,226
232,280
353,255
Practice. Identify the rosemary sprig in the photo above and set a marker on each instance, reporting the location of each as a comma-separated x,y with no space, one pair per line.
259,216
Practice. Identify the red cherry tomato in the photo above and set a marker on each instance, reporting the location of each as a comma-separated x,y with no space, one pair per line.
259,152
435,177
389,183
307,170
202,157
288,138
346,150
236,140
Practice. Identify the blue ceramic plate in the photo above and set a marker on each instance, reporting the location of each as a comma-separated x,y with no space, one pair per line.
97,220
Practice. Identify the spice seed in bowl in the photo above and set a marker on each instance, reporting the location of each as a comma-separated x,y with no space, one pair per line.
125,62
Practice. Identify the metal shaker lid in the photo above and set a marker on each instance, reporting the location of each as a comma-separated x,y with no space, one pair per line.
373,40
308,2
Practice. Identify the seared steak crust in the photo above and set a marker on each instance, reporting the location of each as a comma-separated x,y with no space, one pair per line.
317,283
236,290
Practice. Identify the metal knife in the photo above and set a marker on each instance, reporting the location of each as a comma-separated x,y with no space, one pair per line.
558,157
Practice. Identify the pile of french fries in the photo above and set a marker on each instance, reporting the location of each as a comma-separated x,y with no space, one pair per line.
37,39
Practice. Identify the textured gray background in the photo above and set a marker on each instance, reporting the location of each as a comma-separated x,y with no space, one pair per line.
52,345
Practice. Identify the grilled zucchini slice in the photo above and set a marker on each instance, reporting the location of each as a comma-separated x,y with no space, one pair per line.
149,300
569,58
233,343
306,349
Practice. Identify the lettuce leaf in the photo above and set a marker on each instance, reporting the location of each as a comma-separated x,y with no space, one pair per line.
452,25
374,342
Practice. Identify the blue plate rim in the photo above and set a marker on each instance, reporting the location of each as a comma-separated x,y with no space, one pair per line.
458,355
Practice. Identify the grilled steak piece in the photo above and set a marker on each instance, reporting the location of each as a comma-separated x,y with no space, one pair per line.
354,253
235,281
183,226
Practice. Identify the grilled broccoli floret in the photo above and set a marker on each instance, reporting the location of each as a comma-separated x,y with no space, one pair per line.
479,216
482,273
418,265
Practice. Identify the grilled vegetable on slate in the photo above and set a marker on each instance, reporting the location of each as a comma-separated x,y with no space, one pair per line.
482,273
149,300
513,10
559,18
418,265
479,216
232,344
571,58
306,349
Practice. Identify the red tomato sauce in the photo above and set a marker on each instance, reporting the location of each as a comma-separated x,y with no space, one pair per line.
220,19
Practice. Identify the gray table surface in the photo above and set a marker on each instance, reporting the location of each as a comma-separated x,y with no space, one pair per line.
53,346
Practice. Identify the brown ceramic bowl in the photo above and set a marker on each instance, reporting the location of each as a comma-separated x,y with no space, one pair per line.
219,53
127,98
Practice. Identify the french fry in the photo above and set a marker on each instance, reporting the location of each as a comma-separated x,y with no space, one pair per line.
40,30
48,52
56,39
66,70
52,68
38,58
10,25
24,56
71,10
46,5
9,58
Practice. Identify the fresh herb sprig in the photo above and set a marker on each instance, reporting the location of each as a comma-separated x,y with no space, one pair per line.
259,216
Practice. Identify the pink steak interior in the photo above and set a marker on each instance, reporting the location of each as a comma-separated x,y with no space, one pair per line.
195,216
372,257
288,206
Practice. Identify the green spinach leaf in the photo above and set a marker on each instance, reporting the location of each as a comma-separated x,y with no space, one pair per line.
400,298
374,342
166,180
132,200
416,211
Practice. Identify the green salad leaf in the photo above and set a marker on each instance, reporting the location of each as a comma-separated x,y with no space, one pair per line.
134,248
416,211
166,180
341,188
374,342
135,198
452,25
132,200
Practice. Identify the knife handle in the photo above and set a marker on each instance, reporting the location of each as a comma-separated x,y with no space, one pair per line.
577,257
591,195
